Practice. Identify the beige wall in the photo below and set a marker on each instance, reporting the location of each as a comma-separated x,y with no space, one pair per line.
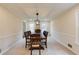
64,29
10,29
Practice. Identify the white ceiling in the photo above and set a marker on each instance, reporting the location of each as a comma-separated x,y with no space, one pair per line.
46,10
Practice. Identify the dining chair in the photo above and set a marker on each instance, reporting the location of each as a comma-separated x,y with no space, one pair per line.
35,43
44,39
27,37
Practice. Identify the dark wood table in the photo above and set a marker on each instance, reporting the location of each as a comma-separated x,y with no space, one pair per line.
41,38
41,35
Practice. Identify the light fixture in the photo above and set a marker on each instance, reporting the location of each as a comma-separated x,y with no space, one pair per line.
37,20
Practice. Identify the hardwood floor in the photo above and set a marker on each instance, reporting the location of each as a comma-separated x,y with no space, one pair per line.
54,48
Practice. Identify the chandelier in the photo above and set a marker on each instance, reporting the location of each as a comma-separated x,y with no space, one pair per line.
37,20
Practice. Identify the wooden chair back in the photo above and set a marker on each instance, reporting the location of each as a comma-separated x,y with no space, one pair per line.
35,38
45,33
35,42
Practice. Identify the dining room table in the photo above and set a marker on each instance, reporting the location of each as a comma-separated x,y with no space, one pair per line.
41,38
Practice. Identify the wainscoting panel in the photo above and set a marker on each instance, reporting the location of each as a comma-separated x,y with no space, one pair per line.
6,42
65,39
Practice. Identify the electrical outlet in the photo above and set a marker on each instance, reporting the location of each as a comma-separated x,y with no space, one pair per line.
69,45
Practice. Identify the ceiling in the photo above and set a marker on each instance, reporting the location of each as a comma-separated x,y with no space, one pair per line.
46,11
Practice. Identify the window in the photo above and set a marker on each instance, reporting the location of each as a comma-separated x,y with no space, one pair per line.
44,26
32,26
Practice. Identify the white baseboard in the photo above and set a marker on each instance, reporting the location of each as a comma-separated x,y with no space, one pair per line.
65,46
9,47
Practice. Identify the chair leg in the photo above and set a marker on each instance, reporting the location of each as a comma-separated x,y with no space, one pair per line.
39,52
31,52
26,44
46,44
